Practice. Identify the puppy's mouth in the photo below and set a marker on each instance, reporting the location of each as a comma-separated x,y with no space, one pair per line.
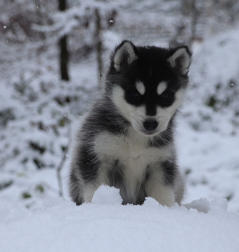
149,132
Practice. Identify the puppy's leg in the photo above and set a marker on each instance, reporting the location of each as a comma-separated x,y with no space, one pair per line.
179,188
81,191
89,190
156,188
85,174
76,187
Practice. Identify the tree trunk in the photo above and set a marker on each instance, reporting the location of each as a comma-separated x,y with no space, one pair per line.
194,21
63,49
99,46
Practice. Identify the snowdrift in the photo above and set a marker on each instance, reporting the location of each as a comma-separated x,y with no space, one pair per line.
106,225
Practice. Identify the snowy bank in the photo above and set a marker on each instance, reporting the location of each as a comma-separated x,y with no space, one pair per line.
106,225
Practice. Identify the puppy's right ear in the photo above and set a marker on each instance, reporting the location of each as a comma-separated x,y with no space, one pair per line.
124,55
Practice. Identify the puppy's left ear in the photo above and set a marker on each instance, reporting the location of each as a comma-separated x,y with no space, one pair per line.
181,59
124,55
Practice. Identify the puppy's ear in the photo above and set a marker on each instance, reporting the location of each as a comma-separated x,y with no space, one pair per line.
181,59
124,55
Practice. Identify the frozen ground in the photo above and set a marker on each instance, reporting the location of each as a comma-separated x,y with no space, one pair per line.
106,225
34,218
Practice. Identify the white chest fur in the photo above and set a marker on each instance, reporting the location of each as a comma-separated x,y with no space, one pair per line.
133,153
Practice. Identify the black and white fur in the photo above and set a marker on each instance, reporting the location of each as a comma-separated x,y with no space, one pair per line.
127,139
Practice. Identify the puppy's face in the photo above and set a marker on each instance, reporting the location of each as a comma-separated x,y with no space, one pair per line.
147,84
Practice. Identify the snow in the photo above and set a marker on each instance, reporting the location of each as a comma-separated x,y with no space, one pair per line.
106,225
209,152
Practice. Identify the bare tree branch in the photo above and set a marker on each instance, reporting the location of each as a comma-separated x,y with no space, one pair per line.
63,160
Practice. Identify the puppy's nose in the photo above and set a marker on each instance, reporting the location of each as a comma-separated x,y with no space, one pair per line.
150,124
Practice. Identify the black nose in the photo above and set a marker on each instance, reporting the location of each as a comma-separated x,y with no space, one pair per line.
150,124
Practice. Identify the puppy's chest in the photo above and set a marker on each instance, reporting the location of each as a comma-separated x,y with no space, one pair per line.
132,151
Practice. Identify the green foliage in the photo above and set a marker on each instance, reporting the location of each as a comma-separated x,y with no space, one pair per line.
39,163
223,96
212,101
26,195
6,115
37,147
39,188
5,184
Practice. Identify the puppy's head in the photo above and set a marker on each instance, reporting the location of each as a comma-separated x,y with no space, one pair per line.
147,84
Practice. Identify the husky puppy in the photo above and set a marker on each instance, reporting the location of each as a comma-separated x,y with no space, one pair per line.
127,139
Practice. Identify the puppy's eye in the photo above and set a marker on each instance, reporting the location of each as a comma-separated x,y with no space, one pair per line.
166,98
165,94
134,97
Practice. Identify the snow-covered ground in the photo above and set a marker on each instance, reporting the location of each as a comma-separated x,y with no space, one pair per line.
106,225
34,218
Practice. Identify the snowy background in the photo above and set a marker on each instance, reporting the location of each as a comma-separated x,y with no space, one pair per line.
39,113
